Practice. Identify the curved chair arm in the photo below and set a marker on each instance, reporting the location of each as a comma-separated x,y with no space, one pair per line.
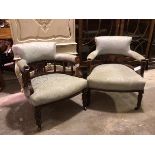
67,57
25,71
136,55
131,53
22,64
143,61
92,55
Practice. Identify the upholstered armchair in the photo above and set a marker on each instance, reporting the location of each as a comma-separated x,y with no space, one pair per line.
41,85
112,67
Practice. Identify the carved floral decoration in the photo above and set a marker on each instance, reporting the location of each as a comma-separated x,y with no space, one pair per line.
43,23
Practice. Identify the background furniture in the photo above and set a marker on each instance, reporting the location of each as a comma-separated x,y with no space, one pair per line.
6,55
61,31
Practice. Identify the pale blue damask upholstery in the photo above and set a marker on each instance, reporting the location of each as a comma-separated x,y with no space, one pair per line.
115,77
53,87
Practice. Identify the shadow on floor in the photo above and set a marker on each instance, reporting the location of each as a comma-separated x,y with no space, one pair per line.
102,101
21,117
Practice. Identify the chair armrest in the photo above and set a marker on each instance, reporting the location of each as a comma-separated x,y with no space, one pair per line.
136,55
25,71
86,68
92,55
22,64
67,57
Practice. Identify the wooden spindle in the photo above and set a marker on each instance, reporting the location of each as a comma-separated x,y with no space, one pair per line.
72,71
64,68
54,67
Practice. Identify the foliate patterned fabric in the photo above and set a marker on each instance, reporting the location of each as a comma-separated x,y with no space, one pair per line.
35,51
53,87
115,77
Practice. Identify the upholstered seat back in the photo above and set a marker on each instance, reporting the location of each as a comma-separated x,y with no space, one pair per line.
35,51
113,44
116,45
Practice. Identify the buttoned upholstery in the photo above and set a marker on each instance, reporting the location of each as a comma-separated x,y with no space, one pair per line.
115,77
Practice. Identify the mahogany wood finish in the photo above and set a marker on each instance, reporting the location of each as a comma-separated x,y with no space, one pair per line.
117,59
85,98
37,113
140,96
5,33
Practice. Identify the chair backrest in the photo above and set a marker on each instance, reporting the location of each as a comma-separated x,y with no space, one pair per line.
35,51
113,45
61,31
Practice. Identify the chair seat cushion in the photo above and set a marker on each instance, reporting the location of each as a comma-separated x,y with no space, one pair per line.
115,77
53,87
